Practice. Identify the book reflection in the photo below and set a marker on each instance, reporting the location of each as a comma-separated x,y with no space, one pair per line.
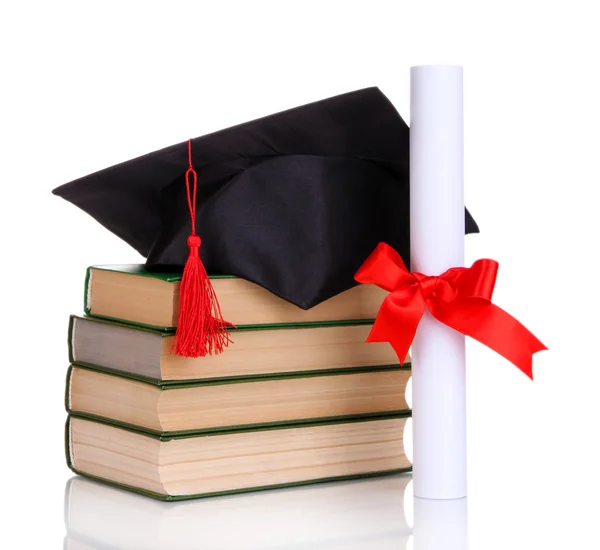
353,515
376,513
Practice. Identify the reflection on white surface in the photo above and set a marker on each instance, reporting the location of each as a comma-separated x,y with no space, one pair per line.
440,524
353,515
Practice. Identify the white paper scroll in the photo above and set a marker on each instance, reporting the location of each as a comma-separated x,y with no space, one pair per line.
437,227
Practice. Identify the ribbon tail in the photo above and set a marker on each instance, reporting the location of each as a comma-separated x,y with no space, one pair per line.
397,323
492,326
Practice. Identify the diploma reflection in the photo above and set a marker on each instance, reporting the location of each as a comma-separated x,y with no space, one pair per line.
355,515
440,524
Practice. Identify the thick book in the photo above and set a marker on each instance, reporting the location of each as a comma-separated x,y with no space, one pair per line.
217,406
182,467
129,293
351,515
145,353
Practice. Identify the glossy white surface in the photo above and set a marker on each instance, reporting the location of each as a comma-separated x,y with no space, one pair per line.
440,524
354,515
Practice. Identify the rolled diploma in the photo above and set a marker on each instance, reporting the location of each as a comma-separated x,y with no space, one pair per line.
437,230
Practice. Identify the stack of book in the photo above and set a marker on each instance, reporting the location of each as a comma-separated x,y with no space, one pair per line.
298,397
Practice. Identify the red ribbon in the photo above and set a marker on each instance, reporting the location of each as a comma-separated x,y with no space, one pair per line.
460,298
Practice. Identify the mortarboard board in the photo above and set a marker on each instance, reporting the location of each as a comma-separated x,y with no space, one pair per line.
294,202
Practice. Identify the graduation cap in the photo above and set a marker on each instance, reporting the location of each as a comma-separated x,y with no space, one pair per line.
294,202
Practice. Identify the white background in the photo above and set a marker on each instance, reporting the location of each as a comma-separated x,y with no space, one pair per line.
86,85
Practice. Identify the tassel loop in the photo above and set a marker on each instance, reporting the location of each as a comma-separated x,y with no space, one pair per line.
201,329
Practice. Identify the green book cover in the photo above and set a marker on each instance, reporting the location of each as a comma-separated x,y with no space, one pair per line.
139,269
159,496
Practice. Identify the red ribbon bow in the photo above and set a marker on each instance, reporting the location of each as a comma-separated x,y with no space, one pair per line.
460,298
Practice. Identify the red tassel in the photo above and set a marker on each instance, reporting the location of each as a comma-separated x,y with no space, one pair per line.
201,329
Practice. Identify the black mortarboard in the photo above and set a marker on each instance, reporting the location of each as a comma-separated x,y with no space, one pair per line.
294,202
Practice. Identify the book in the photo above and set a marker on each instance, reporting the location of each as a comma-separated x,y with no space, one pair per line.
181,467
145,353
129,293
216,406
357,514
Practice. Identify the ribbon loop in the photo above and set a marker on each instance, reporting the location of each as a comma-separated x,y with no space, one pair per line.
460,298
